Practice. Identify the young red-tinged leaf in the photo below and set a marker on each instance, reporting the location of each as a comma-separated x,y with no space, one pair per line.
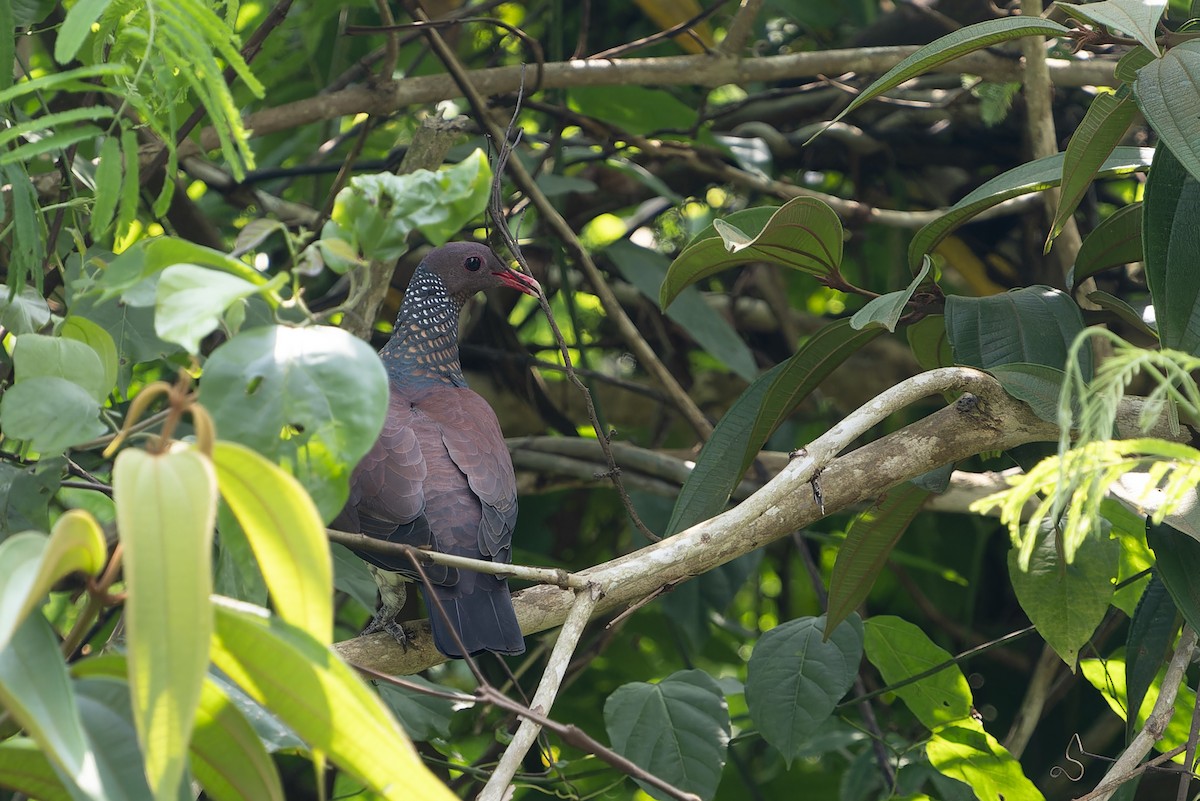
949,47
166,507
1066,602
804,234
869,542
285,531
797,675
1107,119
322,699
677,730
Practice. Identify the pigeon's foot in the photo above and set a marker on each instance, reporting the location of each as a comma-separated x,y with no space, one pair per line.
385,620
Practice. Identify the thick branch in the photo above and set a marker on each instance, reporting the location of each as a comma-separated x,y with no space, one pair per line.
703,70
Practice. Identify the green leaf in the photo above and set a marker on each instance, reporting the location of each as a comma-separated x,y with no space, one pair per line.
1037,385
424,716
166,509
885,311
55,121
50,413
76,27
900,650
1108,677
56,141
1033,176
8,34
351,576
972,756
741,433
646,269
191,301
1172,240
25,494
23,312
803,234
949,47
35,355
797,675
929,342
1138,18
25,769
130,184
869,541
1168,93
376,213
84,330
28,246
1035,324
1117,240
1131,62
1178,566
283,392
677,730
108,186
1066,601
285,530
36,691
1106,121
633,109
322,699
1151,632
1124,311
33,563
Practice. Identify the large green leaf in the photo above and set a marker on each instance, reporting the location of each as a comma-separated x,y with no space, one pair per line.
1115,241
91,334
285,530
797,675
1107,119
1034,325
312,399
321,698
1067,601
869,541
166,509
971,755
804,234
36,691
1107,675
33,563
25,493
677,730
24,768
1168,93
1036,384
50,413
741,433
24,311
1178,566
1172,240
36,355
951,46
424,715
1151,632
900,650
1033,176
645,269
191,301
376,213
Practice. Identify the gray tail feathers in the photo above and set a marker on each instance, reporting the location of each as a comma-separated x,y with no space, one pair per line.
480,609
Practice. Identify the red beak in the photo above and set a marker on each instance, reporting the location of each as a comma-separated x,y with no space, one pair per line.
520,282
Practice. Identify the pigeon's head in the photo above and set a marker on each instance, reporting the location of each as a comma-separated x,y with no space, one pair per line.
469,267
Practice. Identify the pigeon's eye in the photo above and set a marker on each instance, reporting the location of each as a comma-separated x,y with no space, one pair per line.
473,263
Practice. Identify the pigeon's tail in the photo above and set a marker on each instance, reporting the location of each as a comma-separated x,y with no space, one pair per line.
480,610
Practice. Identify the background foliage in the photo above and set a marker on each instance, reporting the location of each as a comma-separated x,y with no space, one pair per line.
746,230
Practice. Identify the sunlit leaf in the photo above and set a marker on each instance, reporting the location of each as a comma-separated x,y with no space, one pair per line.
900,650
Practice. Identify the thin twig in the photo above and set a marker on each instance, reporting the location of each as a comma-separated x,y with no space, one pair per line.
543,698
666,33
537,575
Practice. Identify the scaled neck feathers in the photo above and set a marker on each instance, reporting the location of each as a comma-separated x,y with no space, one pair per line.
423,349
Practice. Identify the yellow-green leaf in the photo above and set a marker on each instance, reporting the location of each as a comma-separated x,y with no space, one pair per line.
33,563
285,530
166,508
321,698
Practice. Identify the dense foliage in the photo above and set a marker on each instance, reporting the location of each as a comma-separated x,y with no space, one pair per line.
827,285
